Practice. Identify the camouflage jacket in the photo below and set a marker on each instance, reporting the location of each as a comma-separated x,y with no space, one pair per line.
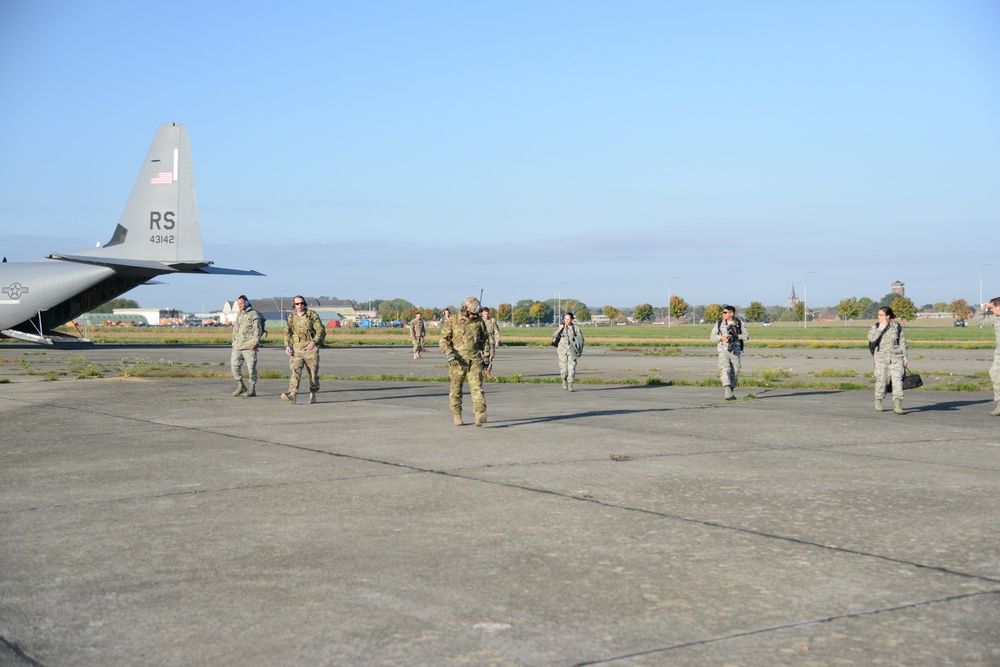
246,329
493,331
985,318
893,343
417,328
301,329
466,339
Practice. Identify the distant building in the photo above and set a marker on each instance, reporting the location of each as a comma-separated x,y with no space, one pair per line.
276,309
792,299
899,288
151,316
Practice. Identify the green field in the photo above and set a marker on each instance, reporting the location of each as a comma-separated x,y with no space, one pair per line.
937,334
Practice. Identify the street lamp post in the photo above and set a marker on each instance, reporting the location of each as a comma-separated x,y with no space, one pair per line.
805,298
668,297
559,293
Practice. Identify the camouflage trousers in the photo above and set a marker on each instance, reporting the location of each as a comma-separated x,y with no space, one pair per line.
418,344
458,375
309,359
886,369
489,362
567,364
238,358
995,376
729,367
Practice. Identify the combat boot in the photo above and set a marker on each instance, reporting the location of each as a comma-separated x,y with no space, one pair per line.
252,392
565,384
897,406
878,405
458,419
729,393
480,418
569,386
312,398
240,389
996,410
289,397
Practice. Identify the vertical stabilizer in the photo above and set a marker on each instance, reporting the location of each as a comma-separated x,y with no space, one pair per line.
160,221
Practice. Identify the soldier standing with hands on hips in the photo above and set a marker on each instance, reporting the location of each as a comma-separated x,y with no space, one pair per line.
730,333
304,334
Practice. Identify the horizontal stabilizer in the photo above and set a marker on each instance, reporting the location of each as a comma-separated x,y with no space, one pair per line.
220,271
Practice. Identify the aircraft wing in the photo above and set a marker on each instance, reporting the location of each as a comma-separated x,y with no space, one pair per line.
156,267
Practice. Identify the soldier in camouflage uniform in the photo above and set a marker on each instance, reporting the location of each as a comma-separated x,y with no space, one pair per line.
304,334
417,333
493,332
890,358
989,315
730,348
246,339
568,340
465,344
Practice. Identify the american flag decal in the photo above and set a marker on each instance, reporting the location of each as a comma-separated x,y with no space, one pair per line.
162,178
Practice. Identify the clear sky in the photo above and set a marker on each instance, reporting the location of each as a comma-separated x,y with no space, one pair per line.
603,151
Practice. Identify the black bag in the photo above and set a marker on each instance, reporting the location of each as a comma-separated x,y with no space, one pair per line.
555,341
910,381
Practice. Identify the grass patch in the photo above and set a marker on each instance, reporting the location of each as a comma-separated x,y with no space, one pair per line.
831,372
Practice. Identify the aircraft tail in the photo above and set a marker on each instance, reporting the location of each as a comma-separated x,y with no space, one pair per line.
160,223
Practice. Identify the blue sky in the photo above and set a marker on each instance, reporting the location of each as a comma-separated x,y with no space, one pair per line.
592,150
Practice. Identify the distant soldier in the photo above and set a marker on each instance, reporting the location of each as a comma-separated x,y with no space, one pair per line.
730,333
989,314
887,343
417,333
568,341
465,344
304,334
246,339
493,332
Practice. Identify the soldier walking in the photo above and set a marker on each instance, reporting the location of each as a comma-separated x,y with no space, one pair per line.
568,340
493,332
465,344
730,333
417,333
246,339
304,334
887,344
989,315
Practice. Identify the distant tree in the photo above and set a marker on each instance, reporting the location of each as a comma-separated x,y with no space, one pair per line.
869,308
942,307
524,303
794,314
583,314
573,306
887,300
849,309
643,312
713,313
539,311
115,303
927,306
504,312
678,307
960,309
520,316
612,313
903,308
393,309
755,312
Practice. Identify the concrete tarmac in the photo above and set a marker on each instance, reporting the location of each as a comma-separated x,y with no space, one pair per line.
158,521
